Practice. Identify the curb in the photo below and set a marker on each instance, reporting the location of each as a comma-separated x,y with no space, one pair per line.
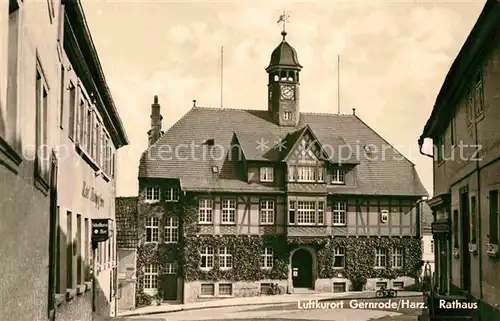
253,304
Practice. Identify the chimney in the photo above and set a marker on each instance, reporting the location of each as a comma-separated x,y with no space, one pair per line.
155,132
354,111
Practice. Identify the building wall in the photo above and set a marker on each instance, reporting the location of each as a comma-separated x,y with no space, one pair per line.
25,208
84,194
428,248
479,174
126,279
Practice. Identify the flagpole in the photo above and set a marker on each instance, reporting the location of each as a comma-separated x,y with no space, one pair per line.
338,83
221,76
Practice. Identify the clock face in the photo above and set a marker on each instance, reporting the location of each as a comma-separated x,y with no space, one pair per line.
287,92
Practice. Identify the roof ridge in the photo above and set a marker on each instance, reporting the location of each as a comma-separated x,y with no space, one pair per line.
325,114
383,139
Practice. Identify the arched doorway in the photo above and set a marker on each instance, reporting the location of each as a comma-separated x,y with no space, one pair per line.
302,263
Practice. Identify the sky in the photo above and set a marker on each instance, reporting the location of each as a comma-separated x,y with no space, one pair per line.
394,56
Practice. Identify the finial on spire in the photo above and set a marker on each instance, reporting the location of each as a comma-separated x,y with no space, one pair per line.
283,19
155,100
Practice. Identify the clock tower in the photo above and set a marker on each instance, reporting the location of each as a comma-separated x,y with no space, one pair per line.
283,85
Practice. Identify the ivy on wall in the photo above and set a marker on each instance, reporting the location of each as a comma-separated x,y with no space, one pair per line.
247,251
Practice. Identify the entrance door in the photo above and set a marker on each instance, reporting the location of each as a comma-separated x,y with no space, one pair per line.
302,269
464,209
169,282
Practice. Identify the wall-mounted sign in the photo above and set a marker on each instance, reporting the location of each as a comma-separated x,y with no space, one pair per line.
384,216
101,229
90,193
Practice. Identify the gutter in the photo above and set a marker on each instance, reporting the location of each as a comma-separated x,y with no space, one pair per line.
420,145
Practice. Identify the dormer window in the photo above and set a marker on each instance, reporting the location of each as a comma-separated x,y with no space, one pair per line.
267,174
287,115
338,176
152,194
172,194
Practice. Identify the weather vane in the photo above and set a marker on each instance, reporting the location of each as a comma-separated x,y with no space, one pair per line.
284,18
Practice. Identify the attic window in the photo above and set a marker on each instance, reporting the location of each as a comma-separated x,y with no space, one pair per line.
369,149
215,169
210,142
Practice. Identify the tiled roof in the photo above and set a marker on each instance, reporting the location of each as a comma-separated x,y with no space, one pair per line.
126,222
182,152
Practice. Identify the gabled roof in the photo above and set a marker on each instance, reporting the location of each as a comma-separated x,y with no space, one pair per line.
171,157
297,139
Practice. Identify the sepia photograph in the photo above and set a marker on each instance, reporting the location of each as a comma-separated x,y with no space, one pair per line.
247,160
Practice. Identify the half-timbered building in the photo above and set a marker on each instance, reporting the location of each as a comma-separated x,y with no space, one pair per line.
233,201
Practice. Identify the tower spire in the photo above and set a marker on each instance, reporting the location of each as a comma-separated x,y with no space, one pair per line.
283,19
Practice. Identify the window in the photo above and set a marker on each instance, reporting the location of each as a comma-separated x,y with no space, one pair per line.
57,247
171,230
267,212
79,263
473,219
306,173
88,128
379,285
493,198
338,176
321,174
267,258
228,211
170,268
172,194
225,258
72,111
95,136
205,210
152,224
455,228
439,148
339,257
207,257
339,213
151,277
470,107
432,246
398,285
478,95
10,43
41,101
88,244
291,173
152,194
339,287
69,251
397,257
61,98
306,212
266,174
321,212
291,211
287,115
452,129
380,257
226,289
207,289
80,125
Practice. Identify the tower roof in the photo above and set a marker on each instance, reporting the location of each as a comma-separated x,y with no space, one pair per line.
284,56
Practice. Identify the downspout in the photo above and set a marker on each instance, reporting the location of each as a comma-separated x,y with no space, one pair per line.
479,238
420,145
